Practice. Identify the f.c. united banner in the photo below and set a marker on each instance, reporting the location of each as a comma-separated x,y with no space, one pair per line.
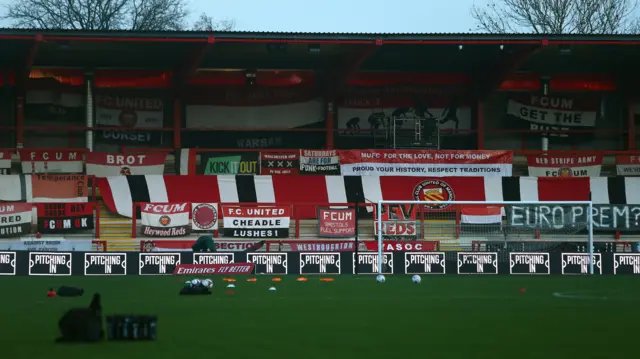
425,163
102,164
15,219
165,220
64,217
564,165
256,222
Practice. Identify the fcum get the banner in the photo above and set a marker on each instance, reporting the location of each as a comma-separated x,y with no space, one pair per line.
425,163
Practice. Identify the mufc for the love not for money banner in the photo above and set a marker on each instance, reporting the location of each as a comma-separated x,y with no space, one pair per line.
319,162
44,161
256,222
15,219
165,220
425,163
103,164
564,165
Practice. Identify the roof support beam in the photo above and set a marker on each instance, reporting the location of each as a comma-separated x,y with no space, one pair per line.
192,63
23,75
353,63
491,80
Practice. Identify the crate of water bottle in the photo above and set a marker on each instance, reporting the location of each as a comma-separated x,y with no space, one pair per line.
132,327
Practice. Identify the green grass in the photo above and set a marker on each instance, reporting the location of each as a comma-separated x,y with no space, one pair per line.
354,317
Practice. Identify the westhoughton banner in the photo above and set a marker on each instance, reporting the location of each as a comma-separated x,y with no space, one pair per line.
571,218
564,165
425,163
256,222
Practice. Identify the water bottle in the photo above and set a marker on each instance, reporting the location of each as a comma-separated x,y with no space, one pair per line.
111,328
145,327
125,331
135,329
119,327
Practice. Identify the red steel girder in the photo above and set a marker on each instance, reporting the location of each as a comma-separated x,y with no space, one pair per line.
353,63
23,74
491,80
192,63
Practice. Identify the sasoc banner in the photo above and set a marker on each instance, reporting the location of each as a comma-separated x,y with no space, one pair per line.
256,222
105,264
280,163
229,163
573,218
320,263
65,217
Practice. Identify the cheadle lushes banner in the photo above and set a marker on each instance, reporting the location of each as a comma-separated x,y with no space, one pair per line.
103,164
425,163
15,219
564,165
44,161
64,217
256,222
165,220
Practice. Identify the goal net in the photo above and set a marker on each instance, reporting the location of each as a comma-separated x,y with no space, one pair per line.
472,225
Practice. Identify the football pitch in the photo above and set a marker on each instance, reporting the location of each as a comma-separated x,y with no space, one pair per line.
351,317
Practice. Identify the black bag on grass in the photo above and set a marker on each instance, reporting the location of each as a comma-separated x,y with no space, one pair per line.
82,324
67,291
195,291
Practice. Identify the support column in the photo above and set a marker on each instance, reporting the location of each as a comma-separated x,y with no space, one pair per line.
329,121
88,81
631,125
20,121
177,122
480,124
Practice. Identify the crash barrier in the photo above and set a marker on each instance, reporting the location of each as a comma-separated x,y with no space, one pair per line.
321,263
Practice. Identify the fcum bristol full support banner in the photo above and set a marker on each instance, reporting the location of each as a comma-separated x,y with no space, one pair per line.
320,263
256,222
425,163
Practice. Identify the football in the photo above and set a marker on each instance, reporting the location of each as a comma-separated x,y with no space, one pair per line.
208,283
380,278
188,283
416,279
196,282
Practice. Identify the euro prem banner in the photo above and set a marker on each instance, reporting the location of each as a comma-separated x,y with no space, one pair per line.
165,220
66,263
319,162
256,222
627,165
65,217
103,164
425,163
564,165
15,219
572,218
44,161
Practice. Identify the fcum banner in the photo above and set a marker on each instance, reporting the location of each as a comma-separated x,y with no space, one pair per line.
279,163
165,220
102,164
129,112
573,218
64,217
15,219
627,165
256,222
5,162
564,165
319,162
541,113
229,163
425,163
43,161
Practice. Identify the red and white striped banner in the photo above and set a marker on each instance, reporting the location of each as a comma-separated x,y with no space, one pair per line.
564,165
103,164
425,163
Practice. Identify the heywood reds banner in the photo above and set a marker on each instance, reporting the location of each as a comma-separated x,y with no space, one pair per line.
564,165
256,222
425,163
165,220
102,164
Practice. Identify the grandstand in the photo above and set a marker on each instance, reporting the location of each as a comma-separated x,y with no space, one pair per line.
319,121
